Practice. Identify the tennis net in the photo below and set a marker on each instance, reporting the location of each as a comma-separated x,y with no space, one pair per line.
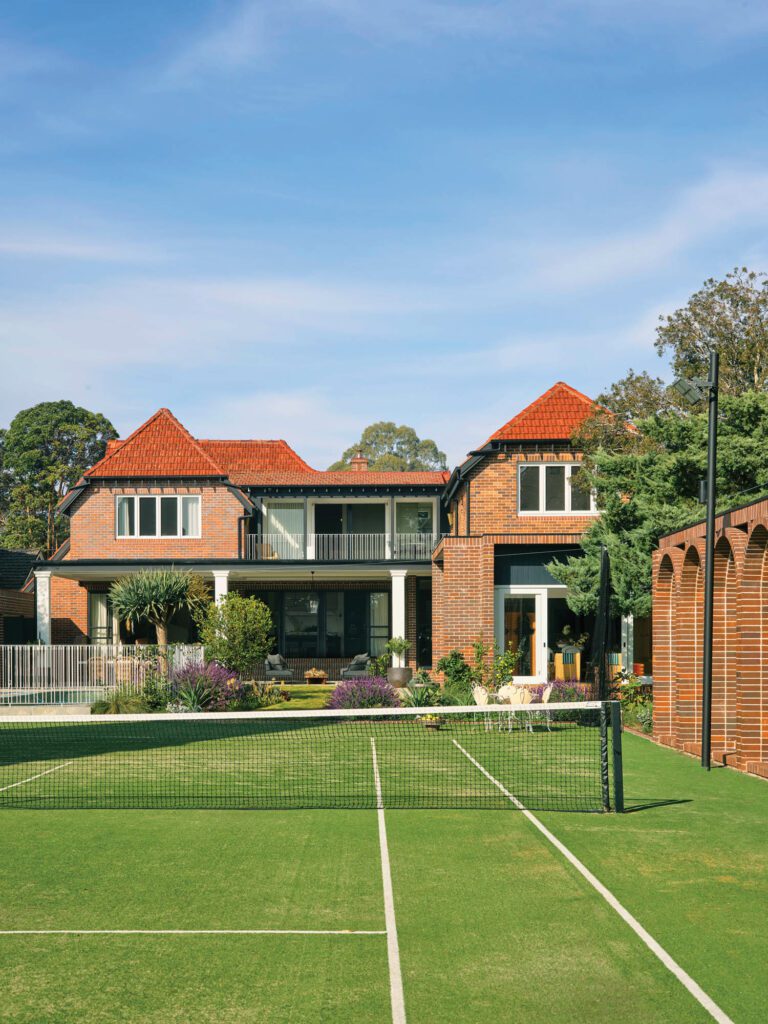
548,757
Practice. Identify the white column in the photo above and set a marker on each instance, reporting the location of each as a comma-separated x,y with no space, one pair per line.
398,624
220,584
43,600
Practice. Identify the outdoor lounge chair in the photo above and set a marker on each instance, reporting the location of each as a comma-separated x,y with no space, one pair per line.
357,668
277,669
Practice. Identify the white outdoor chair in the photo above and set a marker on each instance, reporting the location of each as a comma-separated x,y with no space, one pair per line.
480,696
546,694
508,695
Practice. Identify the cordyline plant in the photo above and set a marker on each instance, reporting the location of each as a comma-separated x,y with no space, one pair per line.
155,596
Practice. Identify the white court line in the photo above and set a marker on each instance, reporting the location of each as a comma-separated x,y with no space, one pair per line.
33,777
183,931
393,950
682,976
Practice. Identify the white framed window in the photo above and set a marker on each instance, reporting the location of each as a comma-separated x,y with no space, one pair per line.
550,488
157,515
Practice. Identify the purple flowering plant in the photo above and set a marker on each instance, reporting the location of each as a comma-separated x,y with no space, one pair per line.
365,692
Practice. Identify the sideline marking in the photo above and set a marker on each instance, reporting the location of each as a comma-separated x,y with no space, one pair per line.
184,931
672,965
33,777
393,950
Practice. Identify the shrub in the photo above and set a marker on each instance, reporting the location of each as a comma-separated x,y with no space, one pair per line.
193,696
456,671
222,685
156,692
423,696
120,701
645,716
363,693
237,633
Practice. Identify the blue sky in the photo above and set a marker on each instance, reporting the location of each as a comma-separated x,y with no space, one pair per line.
288,218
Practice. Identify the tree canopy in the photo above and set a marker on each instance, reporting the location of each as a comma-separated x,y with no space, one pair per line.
45,451
646,479
730,315
389,447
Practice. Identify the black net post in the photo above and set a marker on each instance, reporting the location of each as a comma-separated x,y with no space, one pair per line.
618,764
604,773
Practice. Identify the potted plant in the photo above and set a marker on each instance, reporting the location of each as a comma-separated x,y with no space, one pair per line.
399,675
432,721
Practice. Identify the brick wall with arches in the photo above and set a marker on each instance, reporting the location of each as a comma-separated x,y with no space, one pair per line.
740,638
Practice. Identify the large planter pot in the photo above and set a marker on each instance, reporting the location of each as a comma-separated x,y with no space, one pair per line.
399,676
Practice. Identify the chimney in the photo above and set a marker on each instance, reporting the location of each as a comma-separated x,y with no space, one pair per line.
358,463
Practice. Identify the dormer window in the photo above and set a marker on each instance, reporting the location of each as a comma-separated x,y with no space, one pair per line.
157,515
551,489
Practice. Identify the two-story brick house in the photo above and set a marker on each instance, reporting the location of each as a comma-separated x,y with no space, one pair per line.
341,558
514,505
344,559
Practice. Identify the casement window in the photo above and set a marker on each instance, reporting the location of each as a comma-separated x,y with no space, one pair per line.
157,515
550,488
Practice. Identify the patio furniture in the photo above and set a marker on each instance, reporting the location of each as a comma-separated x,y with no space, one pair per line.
276,668
357,668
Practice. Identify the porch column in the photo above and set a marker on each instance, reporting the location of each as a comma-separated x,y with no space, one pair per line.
398,624
627,642
220,584
43,602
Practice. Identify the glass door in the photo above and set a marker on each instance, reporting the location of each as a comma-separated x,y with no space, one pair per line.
521,625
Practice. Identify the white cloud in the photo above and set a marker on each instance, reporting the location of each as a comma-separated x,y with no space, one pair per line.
28,242
727,200
226,46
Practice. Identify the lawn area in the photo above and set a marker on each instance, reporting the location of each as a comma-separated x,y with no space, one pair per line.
494,925
304,697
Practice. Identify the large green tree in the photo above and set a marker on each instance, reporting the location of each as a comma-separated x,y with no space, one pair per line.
647,483
389,447
730,315
45,451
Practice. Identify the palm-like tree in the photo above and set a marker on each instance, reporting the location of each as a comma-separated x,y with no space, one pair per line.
156,595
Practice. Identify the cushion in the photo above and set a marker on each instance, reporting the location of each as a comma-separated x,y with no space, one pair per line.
275,661
359,661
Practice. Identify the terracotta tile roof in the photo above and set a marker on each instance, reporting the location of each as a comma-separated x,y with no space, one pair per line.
360,478
160,447
246,458
554,416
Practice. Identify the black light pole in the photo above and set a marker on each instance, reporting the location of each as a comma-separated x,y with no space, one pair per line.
709,565
694,391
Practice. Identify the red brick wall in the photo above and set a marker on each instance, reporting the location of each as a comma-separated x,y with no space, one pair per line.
69,611
462,595
493,498
92,532
740,639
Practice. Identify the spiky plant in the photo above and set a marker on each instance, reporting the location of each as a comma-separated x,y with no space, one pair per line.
156,595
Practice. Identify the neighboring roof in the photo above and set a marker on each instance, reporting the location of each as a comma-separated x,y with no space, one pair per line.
554,416
160,447
15,567
241,461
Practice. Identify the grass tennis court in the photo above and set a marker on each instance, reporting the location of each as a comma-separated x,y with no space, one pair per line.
493,924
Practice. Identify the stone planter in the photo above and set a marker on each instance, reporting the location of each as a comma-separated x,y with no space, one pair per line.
399,676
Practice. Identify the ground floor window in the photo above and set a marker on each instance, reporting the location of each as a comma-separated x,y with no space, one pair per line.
329,623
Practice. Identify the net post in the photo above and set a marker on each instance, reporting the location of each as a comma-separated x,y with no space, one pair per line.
604,777
618,764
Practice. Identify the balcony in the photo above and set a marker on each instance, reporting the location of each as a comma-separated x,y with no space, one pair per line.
340,547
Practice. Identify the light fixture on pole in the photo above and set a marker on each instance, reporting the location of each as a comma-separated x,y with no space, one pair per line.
694,391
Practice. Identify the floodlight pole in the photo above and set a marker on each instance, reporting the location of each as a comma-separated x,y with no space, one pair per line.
709,563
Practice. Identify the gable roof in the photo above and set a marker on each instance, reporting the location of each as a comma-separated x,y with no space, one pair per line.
553,416
163,447
14,568
160,447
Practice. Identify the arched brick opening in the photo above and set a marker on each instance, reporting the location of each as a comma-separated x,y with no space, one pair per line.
752,684
686,650
663,652
724,648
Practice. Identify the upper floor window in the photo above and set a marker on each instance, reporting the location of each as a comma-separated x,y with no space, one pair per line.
551,488
157,515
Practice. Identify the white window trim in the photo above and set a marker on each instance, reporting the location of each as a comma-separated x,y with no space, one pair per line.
570,467
159,536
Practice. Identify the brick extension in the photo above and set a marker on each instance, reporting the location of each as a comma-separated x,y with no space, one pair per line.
740,661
